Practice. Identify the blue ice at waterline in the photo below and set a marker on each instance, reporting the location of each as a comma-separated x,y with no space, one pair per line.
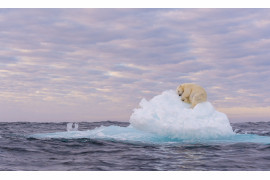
166,119
132,135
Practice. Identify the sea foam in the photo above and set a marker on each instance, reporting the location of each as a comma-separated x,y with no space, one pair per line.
166,115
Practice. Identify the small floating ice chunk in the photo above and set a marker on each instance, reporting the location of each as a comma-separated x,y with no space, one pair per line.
72,126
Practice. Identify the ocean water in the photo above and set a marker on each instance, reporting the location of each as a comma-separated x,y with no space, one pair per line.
163,133
19,150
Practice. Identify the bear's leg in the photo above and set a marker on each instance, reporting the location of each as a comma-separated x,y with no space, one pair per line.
193,104
187,100
196,99
185,94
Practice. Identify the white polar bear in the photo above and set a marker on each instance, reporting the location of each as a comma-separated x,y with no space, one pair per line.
192,93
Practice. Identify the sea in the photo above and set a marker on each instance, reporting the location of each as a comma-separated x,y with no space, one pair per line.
21,150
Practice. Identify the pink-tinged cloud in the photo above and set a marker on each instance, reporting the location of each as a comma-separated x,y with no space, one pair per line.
96,64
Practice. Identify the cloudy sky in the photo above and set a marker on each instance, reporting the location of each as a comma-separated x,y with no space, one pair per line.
97,64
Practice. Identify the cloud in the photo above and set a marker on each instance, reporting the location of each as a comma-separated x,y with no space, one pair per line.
96,64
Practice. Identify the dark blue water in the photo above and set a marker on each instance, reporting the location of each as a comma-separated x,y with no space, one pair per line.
19,152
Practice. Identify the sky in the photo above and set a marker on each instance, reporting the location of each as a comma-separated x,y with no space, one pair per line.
97,64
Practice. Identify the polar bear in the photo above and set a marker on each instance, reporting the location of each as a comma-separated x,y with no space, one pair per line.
192,93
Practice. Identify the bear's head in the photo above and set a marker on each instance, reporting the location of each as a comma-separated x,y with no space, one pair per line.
180,90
